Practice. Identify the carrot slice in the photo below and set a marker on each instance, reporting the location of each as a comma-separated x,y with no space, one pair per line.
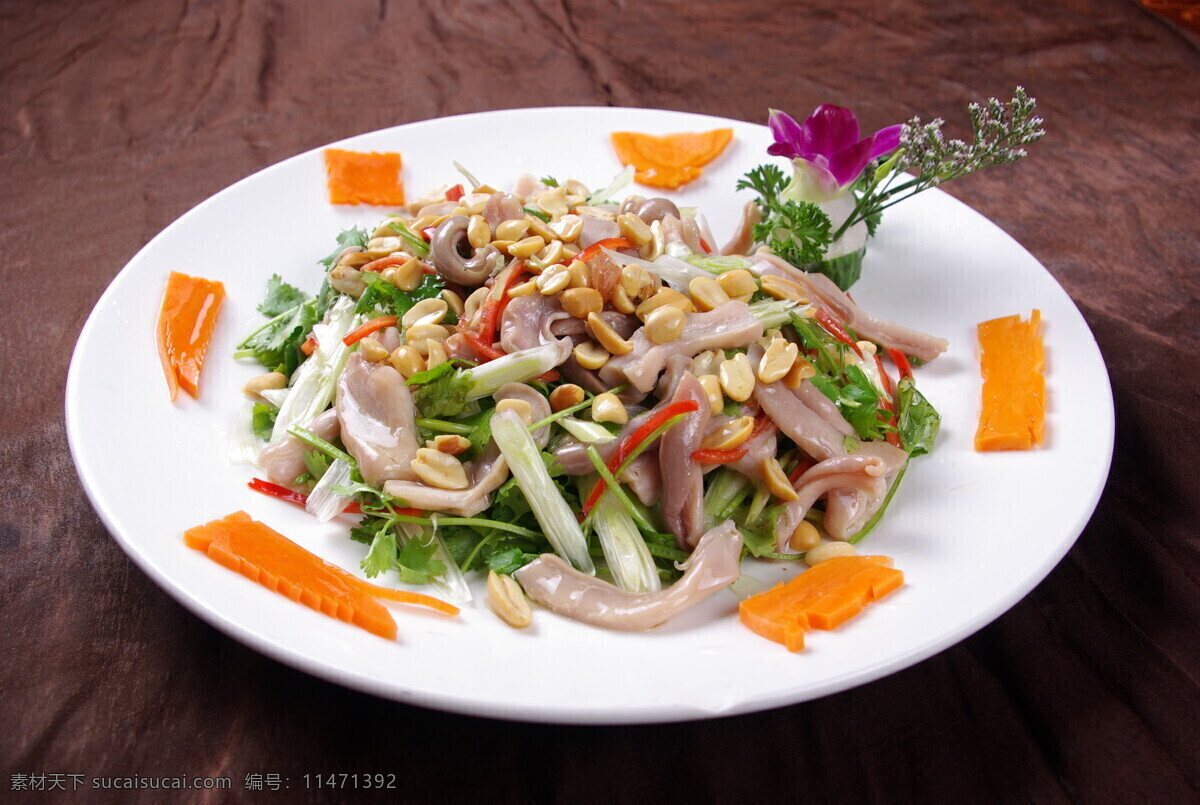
185,326
356,177
670,160
822,597
264,555
1012,416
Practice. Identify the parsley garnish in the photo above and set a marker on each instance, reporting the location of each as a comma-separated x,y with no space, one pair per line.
797,231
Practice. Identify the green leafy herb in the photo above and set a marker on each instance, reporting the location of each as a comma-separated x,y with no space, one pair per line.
276,344
537,214
918,422
316,463
797,231
446,396
281,297
382,556
430,375
382,298
549,181
858,400
263,420
354,236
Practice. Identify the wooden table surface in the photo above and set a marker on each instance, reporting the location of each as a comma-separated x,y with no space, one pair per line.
119,117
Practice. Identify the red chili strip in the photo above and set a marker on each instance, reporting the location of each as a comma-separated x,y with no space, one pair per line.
309,346
291,496
886,404
719,456
454,193
835,329
901,361
396,259
804,466
364,330
607,243
626,447
704,245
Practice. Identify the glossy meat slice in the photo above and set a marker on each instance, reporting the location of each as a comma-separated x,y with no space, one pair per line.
682,477
527,320
823,291
798,422
553,583
283,461
727,326
862,473
743,239
375,410
487,474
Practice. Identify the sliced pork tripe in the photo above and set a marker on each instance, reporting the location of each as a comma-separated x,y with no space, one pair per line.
375,410
727,326
526,322
283,461
804,426
823,292
865,474
682,475
486,474
554,584
742,239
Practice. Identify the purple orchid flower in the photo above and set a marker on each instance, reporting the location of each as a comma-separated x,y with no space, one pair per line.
827,153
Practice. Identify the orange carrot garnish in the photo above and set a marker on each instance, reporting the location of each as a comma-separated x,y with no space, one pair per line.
672,159
822,597
185,326
1013,413
264,555
363,178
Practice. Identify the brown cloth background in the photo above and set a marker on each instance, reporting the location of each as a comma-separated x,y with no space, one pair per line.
116,118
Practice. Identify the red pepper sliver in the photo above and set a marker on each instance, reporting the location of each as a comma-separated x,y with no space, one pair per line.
835,329
892,437
607,243
309,346
901,361
704,245
631,442
454,193
761,423
283,493
365,329
719,456
397,259
428,233
804,466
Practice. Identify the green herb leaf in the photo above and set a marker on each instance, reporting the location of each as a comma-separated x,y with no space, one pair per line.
263,420
382,556
549,181
537,214
382,298
446,396
430,375
918,422
354,236
797,231
281,297
416,564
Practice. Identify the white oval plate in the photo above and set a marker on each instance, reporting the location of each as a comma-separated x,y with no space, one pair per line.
972,532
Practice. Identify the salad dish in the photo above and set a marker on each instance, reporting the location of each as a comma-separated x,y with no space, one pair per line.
599,418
